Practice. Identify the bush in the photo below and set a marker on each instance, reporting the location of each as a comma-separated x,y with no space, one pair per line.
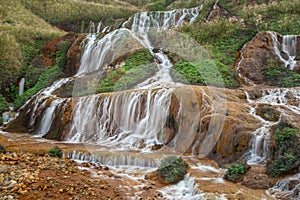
55,152
286,157
284,132
281,76
137,68
172,169
235,172
283,165
2,149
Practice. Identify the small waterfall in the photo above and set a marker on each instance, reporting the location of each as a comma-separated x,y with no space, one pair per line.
261,139
46,121
288,188
110,159
288,46
287,98
21,86
185,189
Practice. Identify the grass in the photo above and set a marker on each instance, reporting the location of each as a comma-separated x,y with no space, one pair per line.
57,11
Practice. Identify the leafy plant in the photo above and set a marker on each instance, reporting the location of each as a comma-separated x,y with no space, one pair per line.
55,152
61,54
235,171
172,169
137,68
204,72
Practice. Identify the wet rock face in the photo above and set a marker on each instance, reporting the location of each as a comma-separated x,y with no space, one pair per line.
254,57
268,112
260,52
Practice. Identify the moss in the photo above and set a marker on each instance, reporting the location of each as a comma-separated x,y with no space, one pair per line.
172,169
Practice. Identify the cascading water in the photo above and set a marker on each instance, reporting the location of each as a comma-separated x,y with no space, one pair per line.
287,46
121,118
46,121
282,98
260,141
103,52
288,188
21,86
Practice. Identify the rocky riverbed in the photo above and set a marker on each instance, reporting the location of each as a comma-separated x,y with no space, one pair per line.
28,176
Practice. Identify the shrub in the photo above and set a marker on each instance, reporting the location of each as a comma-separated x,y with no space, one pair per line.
2,149
284,132
281,76
286,157
172,169
55,152
283,164
235,171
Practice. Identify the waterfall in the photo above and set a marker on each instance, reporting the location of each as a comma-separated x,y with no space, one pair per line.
287,98
100,53
288,47
185,189
260,141
21,86
288,188
46,121
110,159
134,118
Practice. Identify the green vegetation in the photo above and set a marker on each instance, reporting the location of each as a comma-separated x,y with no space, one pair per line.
285,132
172,169
55,152
137,68
61,54
21,36
281,76
236,171
204,72
279,16
286,158
49,75
69,11
2,149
